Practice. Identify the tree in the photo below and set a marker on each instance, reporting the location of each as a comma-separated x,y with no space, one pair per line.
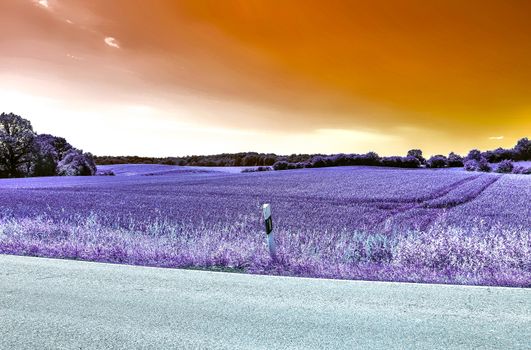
474,155
437,161
505,166
455,160
523,149
48,151
76,163
16,142
417,153
483,165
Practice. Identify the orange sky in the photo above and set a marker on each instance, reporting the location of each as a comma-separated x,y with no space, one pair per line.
168,77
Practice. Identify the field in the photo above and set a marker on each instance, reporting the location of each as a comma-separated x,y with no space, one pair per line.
419,225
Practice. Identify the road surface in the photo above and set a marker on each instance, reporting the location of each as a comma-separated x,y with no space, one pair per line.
59,304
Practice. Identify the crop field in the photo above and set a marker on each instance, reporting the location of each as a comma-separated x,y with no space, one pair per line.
419,225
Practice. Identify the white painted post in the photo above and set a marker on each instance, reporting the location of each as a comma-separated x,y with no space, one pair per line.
270,237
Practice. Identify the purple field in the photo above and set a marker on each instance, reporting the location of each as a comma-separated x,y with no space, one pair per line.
418,225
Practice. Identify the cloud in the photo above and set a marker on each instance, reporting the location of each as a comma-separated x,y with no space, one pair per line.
74,57
112,42
43,3
496,138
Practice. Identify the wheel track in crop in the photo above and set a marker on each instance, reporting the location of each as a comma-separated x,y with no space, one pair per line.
424,203
465,199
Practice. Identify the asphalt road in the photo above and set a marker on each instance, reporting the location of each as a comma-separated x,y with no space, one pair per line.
58,304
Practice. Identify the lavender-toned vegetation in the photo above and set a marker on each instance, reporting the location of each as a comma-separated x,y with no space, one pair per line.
474,161
430,225
25,153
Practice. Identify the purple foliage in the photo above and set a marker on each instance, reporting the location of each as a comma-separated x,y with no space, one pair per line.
350,222
437,161
24,153
505,166
401,162
522,149
474,154
76,163
483,165
417,153
455,160
471,165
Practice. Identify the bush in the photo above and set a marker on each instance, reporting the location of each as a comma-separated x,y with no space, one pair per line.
522,149
280,165
318,162
401,162
259,169
521,170
455,160
105,173
471,165
474,155
437,161
371,158
498,155
417,153
505,166
483,165
76,163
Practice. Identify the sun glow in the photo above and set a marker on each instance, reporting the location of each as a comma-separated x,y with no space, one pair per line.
335,76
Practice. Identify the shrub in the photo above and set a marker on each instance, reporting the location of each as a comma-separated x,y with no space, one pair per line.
401,162
498,155
521,170
371,158
299,165
417,153
280,165
483,165
438,161
455,160
76,163
411,162
522,149
471,165
505,166
105,173
474,155
318,162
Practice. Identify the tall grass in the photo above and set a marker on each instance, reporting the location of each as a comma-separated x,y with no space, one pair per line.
493,255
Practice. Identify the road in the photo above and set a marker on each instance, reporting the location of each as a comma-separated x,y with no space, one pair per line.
59,304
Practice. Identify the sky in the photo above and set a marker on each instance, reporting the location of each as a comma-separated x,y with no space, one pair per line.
183,77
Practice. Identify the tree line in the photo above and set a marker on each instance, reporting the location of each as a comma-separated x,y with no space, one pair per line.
475,160
24,153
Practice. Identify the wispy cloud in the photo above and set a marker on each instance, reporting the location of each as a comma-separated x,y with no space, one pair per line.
74,57
496,138
112,42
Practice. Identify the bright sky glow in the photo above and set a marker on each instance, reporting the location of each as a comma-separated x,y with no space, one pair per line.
194,77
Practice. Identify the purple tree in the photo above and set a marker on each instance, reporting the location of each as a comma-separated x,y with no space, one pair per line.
16,141
76,163
437,161
455,160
